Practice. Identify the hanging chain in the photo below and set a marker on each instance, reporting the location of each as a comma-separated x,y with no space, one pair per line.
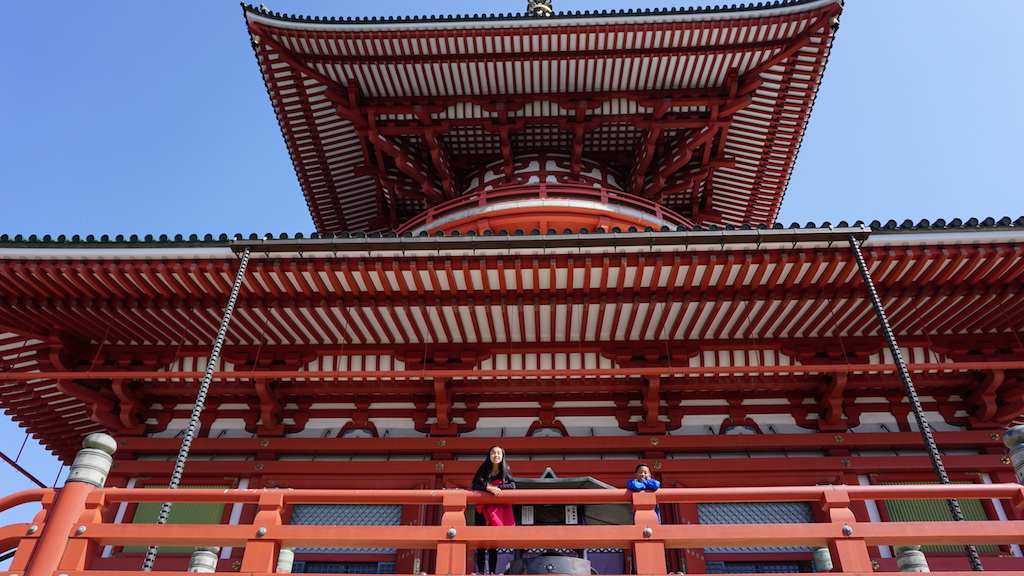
197,409
911,392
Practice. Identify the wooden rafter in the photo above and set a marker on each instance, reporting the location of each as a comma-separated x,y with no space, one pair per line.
678,154
363,119
432,58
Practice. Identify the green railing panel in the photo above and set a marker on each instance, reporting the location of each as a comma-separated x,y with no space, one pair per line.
936,511
181,513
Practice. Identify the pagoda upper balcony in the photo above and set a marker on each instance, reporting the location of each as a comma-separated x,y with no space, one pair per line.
543,196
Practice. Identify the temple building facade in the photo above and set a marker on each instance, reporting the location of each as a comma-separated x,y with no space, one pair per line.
555,233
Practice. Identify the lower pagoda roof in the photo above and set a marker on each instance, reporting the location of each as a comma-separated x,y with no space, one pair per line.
82,325
701,111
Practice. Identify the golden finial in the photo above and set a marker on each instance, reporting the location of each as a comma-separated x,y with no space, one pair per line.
540,8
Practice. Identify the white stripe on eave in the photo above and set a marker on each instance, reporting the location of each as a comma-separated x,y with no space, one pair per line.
624,19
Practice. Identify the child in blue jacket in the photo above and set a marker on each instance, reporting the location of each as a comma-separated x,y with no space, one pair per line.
643,481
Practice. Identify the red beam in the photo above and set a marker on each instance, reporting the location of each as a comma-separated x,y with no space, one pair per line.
734,471
504,374
617,52
613,444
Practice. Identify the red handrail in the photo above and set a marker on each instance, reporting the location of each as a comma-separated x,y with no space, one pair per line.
24,497
543,191
846,536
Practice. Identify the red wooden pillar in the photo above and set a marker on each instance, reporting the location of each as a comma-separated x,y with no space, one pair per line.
692,558
56,530
27,545
451,551
261,555
406,561
849,553
650,556
648,551
88,472
1007,477
80,548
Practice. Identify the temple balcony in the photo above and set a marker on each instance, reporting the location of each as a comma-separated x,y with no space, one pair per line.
77,523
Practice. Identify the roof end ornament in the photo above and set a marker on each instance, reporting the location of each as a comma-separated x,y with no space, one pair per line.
539,8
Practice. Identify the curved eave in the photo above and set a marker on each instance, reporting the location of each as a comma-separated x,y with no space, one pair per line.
376,295
32,246
142,298
608,17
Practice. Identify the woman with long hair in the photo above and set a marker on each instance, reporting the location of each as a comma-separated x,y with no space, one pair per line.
493,475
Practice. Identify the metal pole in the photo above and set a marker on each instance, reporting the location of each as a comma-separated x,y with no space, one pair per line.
25,473
197,409
911,392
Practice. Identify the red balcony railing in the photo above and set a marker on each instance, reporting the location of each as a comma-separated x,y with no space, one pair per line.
642,209
71,525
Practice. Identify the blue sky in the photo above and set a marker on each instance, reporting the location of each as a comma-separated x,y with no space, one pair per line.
141,117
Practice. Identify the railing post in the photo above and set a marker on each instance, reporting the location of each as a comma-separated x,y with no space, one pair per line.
451,553
89,471
80,547
845,549
453,508
910,559
852,555
644,503
204,559
648,554
29,542
261,555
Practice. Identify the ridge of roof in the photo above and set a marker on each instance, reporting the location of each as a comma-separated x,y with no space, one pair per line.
163,240
262,10
208,240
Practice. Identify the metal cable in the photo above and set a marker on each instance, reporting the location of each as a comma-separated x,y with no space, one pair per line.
911,392
197,409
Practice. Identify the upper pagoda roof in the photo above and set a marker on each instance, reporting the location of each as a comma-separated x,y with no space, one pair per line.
701,110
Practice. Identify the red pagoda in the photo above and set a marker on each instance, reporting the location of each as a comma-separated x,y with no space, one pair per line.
550,232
